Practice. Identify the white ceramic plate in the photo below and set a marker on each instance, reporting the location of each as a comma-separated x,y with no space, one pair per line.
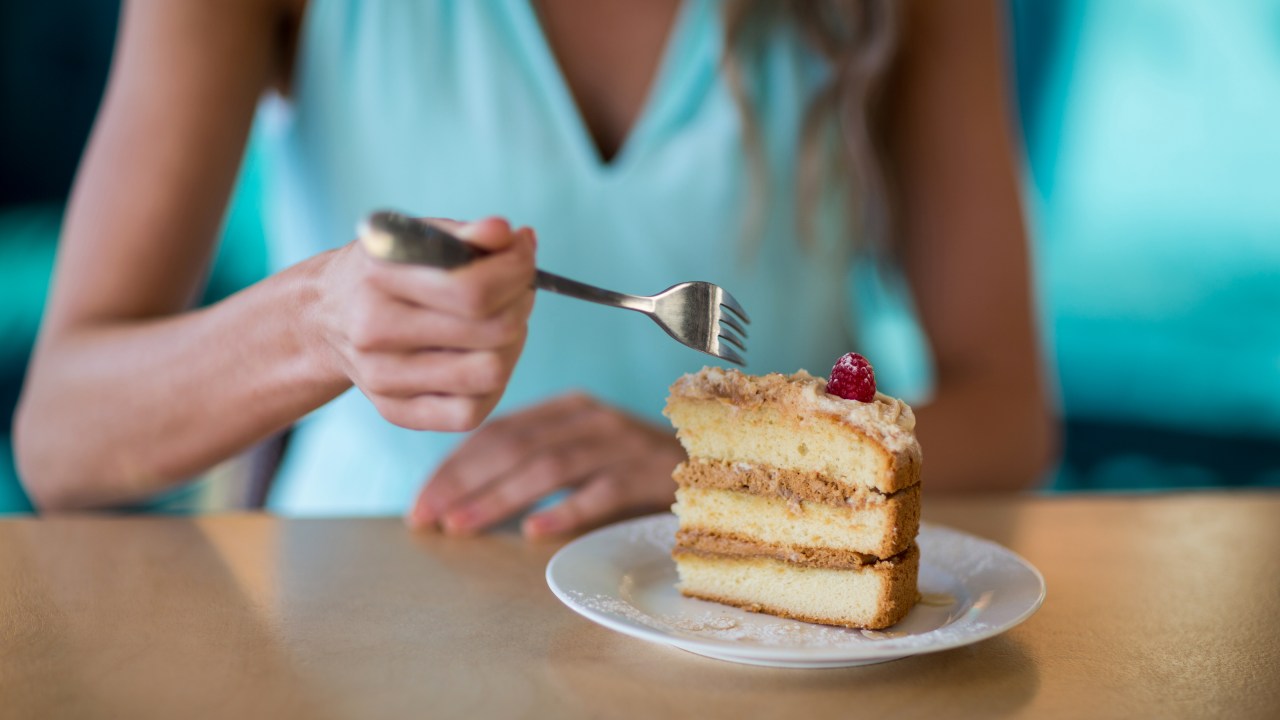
623,577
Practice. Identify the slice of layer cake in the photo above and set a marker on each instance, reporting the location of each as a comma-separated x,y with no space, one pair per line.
794,501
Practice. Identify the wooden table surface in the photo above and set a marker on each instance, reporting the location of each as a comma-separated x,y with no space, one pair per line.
1158,606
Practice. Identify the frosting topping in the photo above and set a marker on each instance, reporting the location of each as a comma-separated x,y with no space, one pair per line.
886,418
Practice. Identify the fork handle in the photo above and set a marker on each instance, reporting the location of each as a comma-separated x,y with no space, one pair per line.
582,291
398,238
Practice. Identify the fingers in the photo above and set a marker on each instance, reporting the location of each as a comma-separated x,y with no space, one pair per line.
399,327
571,442
545,473
438,413
433,349
500,448
408,375
601,498
476,291
494,234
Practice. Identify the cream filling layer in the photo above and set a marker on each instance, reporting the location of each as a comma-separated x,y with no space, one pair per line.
878,530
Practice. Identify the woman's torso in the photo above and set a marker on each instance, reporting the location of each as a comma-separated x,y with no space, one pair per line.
458,109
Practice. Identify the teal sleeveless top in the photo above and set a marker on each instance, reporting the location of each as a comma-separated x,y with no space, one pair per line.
458,109
1153,140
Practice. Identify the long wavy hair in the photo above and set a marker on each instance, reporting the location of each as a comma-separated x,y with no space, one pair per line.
858,39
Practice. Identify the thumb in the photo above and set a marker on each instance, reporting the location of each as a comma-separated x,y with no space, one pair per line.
490,234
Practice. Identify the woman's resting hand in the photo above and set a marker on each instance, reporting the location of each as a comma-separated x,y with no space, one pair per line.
612,464
432,349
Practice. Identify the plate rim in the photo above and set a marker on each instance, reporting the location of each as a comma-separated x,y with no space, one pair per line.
780,656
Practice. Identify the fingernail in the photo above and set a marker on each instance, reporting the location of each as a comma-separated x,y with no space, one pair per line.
418,519
458,521
466,231
421,511
540,525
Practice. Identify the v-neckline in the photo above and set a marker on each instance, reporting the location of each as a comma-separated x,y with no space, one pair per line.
543,58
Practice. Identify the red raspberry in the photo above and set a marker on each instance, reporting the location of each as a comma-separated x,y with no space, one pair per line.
853,379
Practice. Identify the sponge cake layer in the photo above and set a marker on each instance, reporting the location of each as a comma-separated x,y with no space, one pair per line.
795,526
779,437
874,596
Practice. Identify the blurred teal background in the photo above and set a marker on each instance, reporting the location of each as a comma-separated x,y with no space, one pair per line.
1152,131
1152,187
53,66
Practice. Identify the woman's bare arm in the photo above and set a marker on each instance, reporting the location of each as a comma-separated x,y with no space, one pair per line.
951,143
120,387
129,392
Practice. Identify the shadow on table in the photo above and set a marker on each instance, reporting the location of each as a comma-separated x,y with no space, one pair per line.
996,677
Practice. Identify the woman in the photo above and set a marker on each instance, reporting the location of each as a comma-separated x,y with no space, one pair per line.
647,142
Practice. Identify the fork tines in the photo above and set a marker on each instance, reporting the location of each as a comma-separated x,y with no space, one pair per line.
730,328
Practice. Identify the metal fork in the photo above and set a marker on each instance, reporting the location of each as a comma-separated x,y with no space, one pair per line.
700,315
